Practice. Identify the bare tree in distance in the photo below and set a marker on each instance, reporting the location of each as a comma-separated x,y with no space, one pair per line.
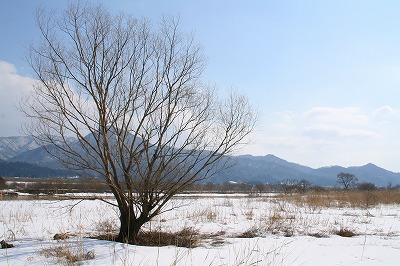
303,185
132,96
346,180
288,185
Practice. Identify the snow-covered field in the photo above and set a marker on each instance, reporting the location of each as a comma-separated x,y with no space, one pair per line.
285,233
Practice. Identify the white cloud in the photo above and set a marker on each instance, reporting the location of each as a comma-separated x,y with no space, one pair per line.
386,115
335,123
7,68
332,131
324,136
12,87
337,116
383,111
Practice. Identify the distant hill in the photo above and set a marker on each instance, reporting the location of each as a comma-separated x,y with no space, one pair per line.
271,169
38,156
21,169
268,169
244,168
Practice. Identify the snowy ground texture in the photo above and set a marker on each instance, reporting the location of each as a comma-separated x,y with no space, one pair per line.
285,233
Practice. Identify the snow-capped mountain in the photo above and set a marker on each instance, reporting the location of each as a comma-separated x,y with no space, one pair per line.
13,146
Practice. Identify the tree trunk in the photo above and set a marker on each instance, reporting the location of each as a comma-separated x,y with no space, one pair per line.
130,226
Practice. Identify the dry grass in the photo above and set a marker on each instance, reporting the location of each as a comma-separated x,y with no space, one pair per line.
107,227
281,219
342,199
208,214
187,237
344,232
318,235
249,214
68,254
286,216
249,233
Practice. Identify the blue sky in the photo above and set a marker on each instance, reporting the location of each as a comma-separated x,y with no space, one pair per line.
324,75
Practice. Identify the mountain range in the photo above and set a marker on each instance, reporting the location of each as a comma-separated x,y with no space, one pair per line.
271,169
20,156
13,146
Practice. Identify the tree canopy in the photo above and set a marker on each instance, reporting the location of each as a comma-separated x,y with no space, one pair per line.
132,96
347,180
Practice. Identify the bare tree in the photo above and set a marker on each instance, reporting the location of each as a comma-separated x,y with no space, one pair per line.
288,185
131,95
303,185
346,180
260,188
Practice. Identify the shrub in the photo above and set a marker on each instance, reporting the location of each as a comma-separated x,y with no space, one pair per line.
366,186
345,232
249,233
187,237
68,255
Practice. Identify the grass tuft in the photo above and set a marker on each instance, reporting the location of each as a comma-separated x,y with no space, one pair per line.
68,255
345,232
187,237
343,199
318,235
249,233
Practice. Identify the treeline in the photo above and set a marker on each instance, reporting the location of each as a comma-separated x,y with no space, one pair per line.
54,185
235,187
286,186
91,185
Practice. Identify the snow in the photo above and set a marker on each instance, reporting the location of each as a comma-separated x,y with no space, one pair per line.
31,224
12,146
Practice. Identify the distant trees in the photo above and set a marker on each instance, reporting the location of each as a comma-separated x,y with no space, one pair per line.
288,185
292,185
260,188
3,183
58,185
346,180
391,187
133,97
366,186
303,185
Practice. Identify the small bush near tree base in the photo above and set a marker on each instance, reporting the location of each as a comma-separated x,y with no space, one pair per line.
187,237
345,232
